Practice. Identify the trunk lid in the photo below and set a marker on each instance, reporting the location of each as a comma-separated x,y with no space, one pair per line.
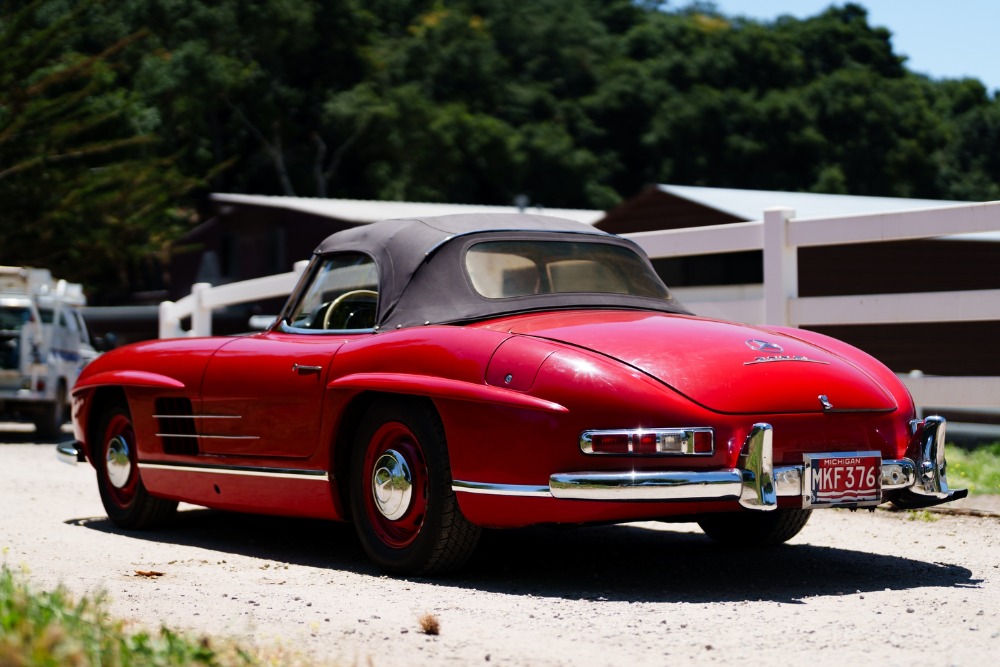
724,366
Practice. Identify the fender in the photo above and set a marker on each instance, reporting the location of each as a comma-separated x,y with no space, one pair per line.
437,387
128,379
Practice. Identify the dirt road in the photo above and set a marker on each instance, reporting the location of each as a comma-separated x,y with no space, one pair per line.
864,589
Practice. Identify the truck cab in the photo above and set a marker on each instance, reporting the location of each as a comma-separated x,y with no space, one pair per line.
44,344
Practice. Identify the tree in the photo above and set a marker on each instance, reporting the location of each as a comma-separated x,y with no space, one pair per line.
84,190
117,116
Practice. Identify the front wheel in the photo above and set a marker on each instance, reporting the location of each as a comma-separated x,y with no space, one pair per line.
404,509
754,529
49,417
123,494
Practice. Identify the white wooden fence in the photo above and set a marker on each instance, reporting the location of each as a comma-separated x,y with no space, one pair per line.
204,298
777,302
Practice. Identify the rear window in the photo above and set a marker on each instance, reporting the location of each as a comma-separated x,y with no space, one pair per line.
508,269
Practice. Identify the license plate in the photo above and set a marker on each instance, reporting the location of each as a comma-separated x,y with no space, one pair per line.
844,479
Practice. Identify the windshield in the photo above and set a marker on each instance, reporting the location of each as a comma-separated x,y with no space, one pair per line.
507,269
12,319
342,296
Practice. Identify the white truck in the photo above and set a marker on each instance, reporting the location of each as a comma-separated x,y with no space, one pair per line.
44,344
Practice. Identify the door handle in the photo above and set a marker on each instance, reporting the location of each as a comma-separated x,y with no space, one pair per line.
305,370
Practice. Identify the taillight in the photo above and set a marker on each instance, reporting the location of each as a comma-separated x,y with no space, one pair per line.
609,443
704,442
650,442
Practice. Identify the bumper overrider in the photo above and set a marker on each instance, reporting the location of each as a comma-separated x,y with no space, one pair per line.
910,483
70,452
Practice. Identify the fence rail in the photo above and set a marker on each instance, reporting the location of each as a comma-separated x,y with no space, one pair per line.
779,235
204,298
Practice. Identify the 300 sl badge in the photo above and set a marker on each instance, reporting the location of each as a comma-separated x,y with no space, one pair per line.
767,346
784,357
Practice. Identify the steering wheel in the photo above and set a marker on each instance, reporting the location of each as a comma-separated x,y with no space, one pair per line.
336,303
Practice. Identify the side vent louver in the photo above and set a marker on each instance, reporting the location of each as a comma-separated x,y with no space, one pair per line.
176,426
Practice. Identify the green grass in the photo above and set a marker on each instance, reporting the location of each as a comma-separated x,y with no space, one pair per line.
975,469
53,629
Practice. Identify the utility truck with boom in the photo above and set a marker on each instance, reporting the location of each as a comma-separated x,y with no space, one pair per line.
44,344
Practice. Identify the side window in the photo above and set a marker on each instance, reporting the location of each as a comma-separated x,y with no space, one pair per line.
341,296
82,326
66,321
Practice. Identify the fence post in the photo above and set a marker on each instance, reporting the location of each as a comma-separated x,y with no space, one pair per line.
168,322
201,315
781,266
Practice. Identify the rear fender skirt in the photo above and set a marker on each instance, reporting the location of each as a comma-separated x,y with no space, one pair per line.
436,387
128,379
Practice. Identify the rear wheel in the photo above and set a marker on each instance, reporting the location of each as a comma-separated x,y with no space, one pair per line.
404,509
125,498
754,529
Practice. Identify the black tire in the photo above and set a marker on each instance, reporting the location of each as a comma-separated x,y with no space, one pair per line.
123,494
404,508
754,528
49,417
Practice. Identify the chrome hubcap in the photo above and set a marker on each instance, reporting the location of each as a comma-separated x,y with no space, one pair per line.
392,485
118,464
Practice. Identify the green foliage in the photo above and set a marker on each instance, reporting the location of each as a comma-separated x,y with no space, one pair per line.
923,516
116,116
51,628
84,185
976,469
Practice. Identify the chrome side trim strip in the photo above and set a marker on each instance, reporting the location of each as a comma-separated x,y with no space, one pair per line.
207,437
250,471
197,417
485,488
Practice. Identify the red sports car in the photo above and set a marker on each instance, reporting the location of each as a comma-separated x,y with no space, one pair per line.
431,377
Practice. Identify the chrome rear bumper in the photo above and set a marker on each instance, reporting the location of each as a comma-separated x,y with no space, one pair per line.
758,483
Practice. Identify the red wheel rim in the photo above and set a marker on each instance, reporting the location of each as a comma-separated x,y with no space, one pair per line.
395,476
119,461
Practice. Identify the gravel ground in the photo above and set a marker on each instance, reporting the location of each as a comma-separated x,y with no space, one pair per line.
887,588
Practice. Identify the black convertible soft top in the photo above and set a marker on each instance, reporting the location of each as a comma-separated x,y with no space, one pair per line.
422,280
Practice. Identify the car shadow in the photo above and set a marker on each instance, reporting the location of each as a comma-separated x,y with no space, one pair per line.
633,563
291,540
624,562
